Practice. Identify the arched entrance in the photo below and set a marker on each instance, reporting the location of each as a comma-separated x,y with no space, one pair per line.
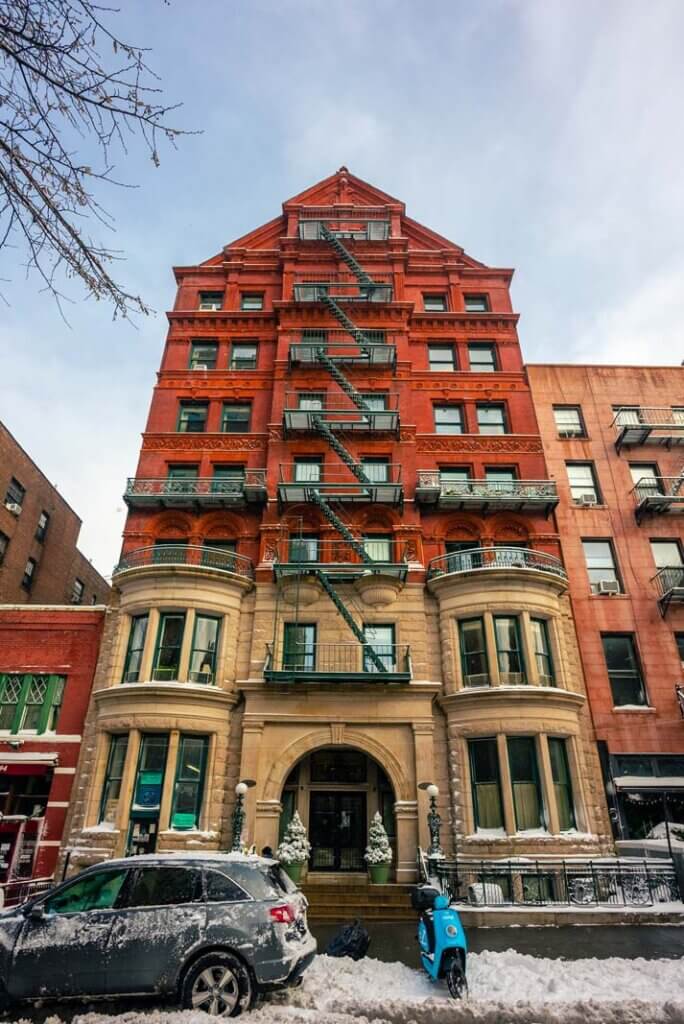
337,790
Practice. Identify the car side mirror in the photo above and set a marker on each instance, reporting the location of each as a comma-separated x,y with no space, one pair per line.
36,912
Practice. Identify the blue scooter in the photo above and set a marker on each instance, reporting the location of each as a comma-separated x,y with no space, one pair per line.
441,938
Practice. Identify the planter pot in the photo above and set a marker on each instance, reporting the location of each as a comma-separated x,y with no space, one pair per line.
294,870
379,873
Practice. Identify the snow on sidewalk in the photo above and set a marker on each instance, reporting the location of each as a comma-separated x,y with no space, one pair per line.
505,988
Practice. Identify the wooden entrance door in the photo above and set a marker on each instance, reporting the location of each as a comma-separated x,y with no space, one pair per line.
337,831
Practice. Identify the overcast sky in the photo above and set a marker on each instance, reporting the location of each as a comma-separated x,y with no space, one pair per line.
540,135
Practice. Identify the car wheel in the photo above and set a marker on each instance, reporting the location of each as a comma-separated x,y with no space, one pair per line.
219,984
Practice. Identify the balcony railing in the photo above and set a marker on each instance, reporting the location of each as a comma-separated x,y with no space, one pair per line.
486,495
296,485
377,349
339,413
186,555
660,495
197,492
342,291
669,583
361,227
339,663
659,425
490,559
301,556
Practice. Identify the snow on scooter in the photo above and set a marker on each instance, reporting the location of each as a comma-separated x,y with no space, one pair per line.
441,938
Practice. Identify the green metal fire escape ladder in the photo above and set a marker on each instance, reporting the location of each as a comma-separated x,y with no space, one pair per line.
348,618
346,385
357,270
341,527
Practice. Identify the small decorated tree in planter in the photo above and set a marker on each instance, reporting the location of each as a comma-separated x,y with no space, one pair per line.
378,853
293,852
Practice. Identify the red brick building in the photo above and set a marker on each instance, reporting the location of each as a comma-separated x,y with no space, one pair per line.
613,439
47,662
39,560
340,575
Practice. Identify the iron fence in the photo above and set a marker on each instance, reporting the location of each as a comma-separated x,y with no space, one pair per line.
187,554
492,558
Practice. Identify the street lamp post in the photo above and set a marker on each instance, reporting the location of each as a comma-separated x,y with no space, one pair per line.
434,822
239,814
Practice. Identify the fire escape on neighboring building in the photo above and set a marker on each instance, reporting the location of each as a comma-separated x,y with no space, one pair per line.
371,481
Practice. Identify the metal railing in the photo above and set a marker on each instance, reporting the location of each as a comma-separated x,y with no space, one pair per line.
576,881
207,490
650,416
342,291
340,412
489,490
669,583
301,554
491,558
357,228
187,554
339,660
376,348
19,890
659,494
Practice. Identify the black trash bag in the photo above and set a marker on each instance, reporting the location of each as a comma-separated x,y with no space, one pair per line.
352,941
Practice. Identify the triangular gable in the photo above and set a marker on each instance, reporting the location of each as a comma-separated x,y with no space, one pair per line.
340,188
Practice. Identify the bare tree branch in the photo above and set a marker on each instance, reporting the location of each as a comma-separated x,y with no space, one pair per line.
56,88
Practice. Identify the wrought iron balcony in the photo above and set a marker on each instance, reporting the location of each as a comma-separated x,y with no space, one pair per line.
492,559
660,495
342,291
338,663
204,557
376,348
299,556
197,492
361,225
669,583
338,412
435,488
651,425
340,484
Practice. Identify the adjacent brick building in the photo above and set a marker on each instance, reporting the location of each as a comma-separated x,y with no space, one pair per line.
340,576
39,560
47,662
613,439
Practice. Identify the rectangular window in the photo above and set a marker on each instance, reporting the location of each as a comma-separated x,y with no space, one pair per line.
29,576
491,419
454,480
569,422
252,301
645,478
4,544
203,355
502,480
303,548
188,787
42,527
30,702
441,358
542,651
482,357
243,356
474,664
448,419
228,480
601,566
149,779
299,647
192,418
509,650
211,301
476,303
678,413
136,645
378,547
679,640
624,671
313,400
583,485
527,800
485,781
205,640
667,554
375,400
77,591
15,493
169,641
235,418
435,303
111,790
562,783
308,470
380,639
626,415
377,470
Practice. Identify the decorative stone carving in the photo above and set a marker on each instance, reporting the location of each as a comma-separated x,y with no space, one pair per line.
302,592
474,443
204,442
378,590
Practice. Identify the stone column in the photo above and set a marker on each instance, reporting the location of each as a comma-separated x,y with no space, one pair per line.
547,785
506,787
406,813
150,643
249,769
424,765
267,821
169,777
126,792
527,641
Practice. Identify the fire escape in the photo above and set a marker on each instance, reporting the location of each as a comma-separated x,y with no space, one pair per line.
333,417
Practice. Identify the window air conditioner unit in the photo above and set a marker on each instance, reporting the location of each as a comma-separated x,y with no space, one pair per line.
512,678
12,507
587,499
480,679
608,587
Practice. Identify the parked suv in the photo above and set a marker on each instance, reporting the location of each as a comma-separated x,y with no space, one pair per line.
211,930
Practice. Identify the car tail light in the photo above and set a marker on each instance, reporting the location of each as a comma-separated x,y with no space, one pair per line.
284,913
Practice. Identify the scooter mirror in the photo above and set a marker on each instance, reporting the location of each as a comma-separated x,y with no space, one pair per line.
441,902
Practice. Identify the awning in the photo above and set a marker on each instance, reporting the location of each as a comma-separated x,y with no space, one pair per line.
29,763
668,782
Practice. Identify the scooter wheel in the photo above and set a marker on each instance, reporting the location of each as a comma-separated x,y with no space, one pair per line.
456,980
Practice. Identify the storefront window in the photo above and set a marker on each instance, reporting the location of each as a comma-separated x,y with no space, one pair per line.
189,785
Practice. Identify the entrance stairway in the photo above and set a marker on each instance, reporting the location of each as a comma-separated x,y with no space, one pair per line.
337,901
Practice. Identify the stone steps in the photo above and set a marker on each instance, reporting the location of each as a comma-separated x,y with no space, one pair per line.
339,901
